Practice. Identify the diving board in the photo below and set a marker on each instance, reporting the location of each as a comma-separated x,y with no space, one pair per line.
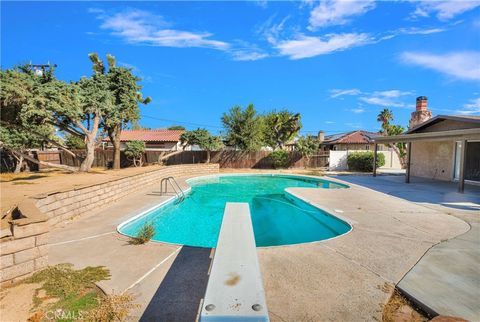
235,289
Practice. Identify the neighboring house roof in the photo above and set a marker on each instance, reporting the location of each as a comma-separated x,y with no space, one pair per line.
158,135
353,137
440,118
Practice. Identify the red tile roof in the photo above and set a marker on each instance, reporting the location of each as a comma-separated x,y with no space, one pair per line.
158,135
354,137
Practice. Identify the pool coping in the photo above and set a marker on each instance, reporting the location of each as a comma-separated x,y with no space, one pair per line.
328,211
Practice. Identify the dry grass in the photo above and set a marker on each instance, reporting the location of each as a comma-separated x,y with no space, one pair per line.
27,176
112,308
396,302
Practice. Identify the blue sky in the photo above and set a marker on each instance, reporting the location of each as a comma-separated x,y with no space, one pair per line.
337,63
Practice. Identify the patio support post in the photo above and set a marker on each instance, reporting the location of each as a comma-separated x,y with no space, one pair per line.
375,160
409,158
463,156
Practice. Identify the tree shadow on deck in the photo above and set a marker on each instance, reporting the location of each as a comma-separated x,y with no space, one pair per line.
179,295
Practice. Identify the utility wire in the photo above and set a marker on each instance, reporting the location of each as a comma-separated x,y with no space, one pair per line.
173,122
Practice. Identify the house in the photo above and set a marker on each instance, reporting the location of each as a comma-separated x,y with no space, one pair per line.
353,140
445,147
155,140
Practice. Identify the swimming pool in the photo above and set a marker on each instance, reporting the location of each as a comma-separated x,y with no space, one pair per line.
278,217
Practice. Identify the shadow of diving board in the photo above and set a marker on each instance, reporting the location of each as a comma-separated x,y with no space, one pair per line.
235,290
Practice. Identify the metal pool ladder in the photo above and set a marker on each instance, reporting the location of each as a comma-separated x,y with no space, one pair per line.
175,186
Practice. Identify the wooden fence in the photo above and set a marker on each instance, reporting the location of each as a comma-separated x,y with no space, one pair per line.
226,159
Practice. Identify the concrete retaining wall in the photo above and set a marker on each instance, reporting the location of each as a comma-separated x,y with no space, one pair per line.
61,206
24,248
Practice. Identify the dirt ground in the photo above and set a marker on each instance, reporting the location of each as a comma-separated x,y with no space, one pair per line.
16,302
16,187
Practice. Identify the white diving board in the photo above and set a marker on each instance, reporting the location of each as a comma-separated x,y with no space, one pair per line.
235,289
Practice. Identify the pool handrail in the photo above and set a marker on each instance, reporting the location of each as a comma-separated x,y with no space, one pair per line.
179,193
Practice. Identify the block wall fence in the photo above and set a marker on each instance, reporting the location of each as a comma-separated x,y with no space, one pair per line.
24,244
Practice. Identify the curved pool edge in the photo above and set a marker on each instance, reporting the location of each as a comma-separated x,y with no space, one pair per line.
347,221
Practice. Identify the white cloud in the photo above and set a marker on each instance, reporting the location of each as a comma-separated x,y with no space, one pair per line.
307,46
243,55
445,9
357,110
461,65
142,27
471,108
137,26
261,3
420,31
329,122
337,12
390,98
341,92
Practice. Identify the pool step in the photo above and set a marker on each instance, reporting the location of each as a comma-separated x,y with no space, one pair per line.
235,289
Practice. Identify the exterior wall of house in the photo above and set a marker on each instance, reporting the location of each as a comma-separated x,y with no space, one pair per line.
433,160
164,146
448,125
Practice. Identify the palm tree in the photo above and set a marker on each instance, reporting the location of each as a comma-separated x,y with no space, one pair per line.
385,116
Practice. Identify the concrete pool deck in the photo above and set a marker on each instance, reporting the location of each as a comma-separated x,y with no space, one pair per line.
447,279
346,278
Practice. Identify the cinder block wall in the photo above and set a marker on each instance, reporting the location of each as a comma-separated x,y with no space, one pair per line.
25,249
64,205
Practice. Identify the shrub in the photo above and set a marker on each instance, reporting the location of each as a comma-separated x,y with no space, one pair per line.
279,159
134,151
363,161
144,234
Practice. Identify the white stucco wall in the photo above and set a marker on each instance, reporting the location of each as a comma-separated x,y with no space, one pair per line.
338,160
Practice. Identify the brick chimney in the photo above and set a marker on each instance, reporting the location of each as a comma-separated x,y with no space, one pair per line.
321,136
421,113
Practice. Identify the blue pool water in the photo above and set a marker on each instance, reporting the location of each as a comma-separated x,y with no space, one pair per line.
278,218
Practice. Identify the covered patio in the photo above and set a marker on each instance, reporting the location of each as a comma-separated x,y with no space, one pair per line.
447,155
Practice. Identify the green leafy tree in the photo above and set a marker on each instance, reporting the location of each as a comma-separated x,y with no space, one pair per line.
203,139
75,108
176,127
385,116
125,90
307,146
280,159
134,151
280,127
24,119
243,128
74,142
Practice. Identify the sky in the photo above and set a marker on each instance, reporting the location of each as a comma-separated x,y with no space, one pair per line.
338,63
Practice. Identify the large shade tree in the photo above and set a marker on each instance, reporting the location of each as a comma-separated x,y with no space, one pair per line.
280,128
203,139
243,128
125,92
22,127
